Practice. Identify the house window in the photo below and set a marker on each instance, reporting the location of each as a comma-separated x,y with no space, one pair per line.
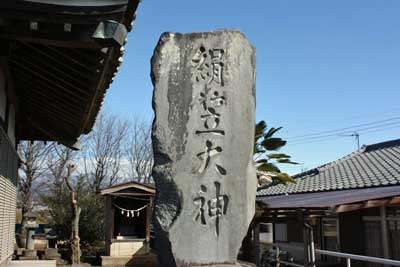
330,234
330,237
266,232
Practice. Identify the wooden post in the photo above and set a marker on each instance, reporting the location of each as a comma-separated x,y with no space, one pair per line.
384,230
109,223
256,244
310,246
148,219
148,222
112,221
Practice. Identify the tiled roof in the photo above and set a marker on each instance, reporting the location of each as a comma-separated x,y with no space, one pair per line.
371,166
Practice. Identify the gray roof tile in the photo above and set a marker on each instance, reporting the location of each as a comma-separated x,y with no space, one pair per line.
371,166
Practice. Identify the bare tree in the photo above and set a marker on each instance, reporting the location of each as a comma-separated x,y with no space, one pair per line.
57,163
60,166
139,151
33,157
103,151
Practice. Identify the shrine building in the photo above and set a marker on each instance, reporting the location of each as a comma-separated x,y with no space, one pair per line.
128,213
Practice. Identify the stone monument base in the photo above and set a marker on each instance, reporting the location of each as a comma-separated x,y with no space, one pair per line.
28,258
239,264
247,264
30,253
143,260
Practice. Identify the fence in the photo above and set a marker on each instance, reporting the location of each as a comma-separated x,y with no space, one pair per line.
346,256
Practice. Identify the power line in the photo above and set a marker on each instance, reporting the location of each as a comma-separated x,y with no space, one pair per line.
331,138
343,129
314,141
378,130
343,132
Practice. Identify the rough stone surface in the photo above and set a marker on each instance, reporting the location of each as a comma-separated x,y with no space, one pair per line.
239,264
28,258
30,253
203,135
52,253
144,260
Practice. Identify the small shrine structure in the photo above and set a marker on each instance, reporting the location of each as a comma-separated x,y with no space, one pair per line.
128,212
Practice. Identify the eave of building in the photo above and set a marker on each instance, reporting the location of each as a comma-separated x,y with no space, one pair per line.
329,202
117,189
63,56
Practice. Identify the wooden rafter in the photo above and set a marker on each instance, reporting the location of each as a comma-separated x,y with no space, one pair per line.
367,204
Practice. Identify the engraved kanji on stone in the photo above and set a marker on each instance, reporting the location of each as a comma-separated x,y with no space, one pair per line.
206,156
208,65
199,203
217,66
216,206
211,100
203,223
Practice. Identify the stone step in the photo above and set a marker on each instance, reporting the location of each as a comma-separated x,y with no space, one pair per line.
32,263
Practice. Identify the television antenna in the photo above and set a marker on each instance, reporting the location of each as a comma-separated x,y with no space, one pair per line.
356,135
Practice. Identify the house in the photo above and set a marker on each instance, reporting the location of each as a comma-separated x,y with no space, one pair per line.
352,205
128,213
57,59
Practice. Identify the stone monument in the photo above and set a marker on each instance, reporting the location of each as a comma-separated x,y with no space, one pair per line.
203,136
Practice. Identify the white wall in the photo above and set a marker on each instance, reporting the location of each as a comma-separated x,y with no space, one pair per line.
8,201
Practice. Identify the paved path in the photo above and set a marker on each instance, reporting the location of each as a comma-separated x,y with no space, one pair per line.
32,264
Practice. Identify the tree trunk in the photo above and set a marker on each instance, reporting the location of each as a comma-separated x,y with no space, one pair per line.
75,245
76,212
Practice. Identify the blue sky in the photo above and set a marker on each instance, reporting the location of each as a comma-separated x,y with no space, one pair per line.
321,65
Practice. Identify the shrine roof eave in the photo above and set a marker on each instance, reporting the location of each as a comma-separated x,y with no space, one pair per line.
147,189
